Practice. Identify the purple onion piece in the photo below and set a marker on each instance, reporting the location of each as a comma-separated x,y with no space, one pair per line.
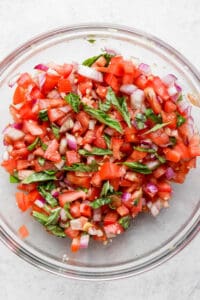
151,188
169,173
41,67
126,197
145,68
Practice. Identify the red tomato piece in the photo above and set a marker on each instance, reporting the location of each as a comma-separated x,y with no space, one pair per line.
79,180
72,157
110,171
116,144
75,209
110,218
85,210
122,210
23,232
51,153
64,85
71,233
170,106
75,245
19,95
70,196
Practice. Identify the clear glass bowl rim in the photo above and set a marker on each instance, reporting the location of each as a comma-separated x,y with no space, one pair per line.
126,270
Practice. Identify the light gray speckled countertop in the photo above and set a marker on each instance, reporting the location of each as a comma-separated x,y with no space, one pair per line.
178,23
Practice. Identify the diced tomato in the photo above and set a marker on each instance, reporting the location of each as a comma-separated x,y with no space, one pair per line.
153,101
130,135
89,137
183,150
32,127
25,80
84,119
116,66
110,218
84,86
82,181
128,67
72,157
70,196
51,153
115,183
160,171
126,148
164,187
99,140
141,82
26,112
122,210
116,143
22,201
170,106
169,117
112,81
85,210
9,165
23,232
50,103
75,245
194,145
75,209
36,93
96,179
137,155
32,196
23,164
101,91
19,95
110,171
94,193
54,114
172,155
160,138
20,153
27,187
136,208
50,83
71,233
64,85
64,70
112,230
128,79
160,88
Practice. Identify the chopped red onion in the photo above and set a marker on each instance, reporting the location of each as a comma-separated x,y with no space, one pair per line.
23,174
41,79
76,224
154,210
126,197
17,126
41,67
71,141
54,94
14,134
63,215
5,155
169,173
55,193
152,164
109,131
97,214
63,146
84,241
13,80
137,99
169,79
92,124
110,51
145,68
39,203
128,88
151,189
90,73
68,124
172,91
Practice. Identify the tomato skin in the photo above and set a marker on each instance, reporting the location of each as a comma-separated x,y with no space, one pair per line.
141,82
85,210
116,144
75,245
170,106
122,210
64,85
75,209
110,218
50,83
19,95
137,155
79,181
72,157
169,117
109,171
112,81
71,233
172,155
51,153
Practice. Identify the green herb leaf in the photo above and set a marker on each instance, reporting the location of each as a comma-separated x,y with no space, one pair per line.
41,218
100,202
95,151
138,167
180,120
44,146
157,127
73,100
81,167
107,139
173,140
91,41
107,189
180,98
54,217
66,208
136,201
152,116
56,230
125,222
14,178
104,106
48,197
120,105
49,172
55,130
41,161
38,177
103,118
89,61
34,144
43,115
160,158
140,120
142,149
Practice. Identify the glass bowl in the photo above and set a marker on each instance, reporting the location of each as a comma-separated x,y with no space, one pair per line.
149,241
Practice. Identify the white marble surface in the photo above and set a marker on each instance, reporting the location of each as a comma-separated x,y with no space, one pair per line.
178,23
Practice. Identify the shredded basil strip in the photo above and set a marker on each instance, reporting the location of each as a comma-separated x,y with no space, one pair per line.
66,208
38,177
34,144
100,202
142,149
152,116
173,140
41,161
47,196
89,61
138,167
180,120
14,178
41,218
55,130
125,222
43,115
103,118
74,101
95,151
81,167
56,230
157,127
107,139
44,146
120,104
107,189
140,120
54,217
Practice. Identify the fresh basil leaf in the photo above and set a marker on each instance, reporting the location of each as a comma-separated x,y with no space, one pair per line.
56,230
44,146
103,118
95,151
157,127
41,161
48,186
107,139
47,196
180,120
136,201
49,172
138,167
180,98
14,178
173,140
38,177
107,189
43,115
81,167
108,57
125,222
142,149
34,144
104,106
89,61
140,120
66,208
152,116
100,202
55,130
160,158
41,218
74,101
121,107
54,217
91,41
